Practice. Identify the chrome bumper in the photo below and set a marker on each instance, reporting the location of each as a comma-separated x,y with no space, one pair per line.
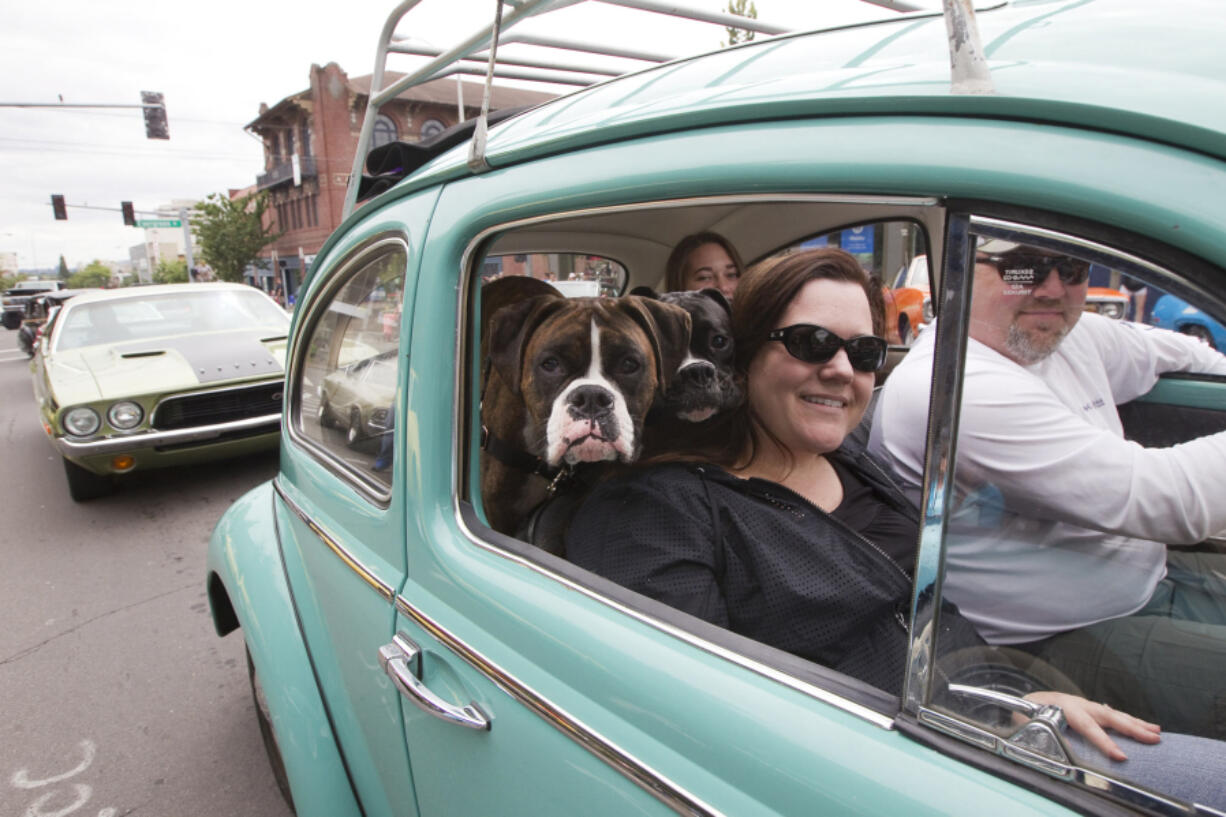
153,439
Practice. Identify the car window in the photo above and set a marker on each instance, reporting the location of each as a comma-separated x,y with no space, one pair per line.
888,250
119,320
347,382
574,274
1079,544
495,446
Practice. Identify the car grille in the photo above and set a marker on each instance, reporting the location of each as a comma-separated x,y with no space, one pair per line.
215,407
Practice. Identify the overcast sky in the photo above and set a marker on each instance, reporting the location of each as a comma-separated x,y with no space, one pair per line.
215,63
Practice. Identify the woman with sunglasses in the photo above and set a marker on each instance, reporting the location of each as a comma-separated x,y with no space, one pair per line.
783,529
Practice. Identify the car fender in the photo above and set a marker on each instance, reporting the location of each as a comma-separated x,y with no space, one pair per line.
247,588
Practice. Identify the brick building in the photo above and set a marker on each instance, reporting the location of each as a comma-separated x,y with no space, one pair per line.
310,138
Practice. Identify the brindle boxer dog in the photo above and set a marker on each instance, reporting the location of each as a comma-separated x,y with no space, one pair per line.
569,381
704,386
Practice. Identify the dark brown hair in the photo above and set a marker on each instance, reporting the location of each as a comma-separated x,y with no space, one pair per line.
763,295
674,270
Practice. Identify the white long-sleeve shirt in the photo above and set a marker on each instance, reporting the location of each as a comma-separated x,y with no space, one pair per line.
1061,521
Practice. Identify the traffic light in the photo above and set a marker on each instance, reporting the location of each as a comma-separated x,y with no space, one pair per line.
155,115
129,215
57,205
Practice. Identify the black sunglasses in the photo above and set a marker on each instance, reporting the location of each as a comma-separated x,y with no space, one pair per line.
1031,269
816,344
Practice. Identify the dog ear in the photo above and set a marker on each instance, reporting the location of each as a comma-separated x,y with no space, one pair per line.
644,292
718,297
668,328
509,331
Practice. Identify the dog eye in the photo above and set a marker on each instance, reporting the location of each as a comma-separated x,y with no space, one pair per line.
550,365
629,365
719,341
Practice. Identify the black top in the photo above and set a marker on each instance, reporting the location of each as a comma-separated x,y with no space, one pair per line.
866,511
761,560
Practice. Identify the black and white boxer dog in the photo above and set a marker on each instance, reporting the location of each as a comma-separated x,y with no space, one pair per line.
568,381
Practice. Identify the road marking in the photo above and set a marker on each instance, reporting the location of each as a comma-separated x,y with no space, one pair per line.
21,780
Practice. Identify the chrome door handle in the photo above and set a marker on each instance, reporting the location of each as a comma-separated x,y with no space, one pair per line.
401,660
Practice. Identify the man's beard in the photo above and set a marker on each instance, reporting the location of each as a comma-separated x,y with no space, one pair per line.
1031,347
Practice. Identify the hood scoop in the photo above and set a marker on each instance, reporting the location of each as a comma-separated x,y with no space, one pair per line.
149,353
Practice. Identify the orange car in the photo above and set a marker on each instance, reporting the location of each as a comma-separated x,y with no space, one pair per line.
906,310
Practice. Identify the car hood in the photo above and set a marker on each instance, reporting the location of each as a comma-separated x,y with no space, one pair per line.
162,365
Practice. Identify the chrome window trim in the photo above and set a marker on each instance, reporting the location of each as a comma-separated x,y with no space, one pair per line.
940,449
1080,776
638,772
463,351
355,564
377,492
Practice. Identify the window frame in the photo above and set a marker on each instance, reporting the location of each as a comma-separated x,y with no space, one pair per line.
819,682
376,492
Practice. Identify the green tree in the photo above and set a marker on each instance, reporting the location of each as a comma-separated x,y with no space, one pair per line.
171,272
64,273
9,281
741,8
93,274
229,232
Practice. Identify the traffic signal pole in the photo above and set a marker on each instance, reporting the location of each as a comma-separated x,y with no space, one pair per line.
60,207
153,106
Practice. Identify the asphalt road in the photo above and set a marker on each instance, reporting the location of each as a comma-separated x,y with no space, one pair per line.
116,696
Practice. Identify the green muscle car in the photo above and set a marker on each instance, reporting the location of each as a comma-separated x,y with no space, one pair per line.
149,377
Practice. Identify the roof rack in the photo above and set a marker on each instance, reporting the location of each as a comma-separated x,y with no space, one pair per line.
478,54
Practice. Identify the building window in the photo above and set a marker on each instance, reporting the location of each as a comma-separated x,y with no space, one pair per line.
385,131
289,142
431,127
304,136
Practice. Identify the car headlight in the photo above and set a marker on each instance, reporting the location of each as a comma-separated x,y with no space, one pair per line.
125,415
1111,310
929,314
81,421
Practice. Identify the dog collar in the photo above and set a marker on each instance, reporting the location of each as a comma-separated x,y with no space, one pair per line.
513,457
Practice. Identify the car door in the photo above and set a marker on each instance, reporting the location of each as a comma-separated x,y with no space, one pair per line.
539,688
339,513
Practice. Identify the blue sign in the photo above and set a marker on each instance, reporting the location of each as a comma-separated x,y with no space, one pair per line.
820,241
858,240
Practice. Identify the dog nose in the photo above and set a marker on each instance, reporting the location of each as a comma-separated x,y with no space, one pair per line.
590,401
700,374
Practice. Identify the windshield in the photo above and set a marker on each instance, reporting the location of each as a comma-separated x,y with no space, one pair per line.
178,313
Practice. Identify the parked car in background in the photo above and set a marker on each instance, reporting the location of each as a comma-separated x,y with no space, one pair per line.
16,297
407,658
358,398
1175,313
150,377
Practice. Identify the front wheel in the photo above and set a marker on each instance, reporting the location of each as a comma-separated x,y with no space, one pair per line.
354,435
84,485
264,719
904,330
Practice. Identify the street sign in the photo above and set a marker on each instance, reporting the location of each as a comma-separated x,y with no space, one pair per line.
158,222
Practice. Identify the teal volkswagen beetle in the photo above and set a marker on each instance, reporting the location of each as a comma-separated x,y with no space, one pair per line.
409,659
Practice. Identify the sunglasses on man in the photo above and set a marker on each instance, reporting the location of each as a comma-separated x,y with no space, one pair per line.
816,344
1030,270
